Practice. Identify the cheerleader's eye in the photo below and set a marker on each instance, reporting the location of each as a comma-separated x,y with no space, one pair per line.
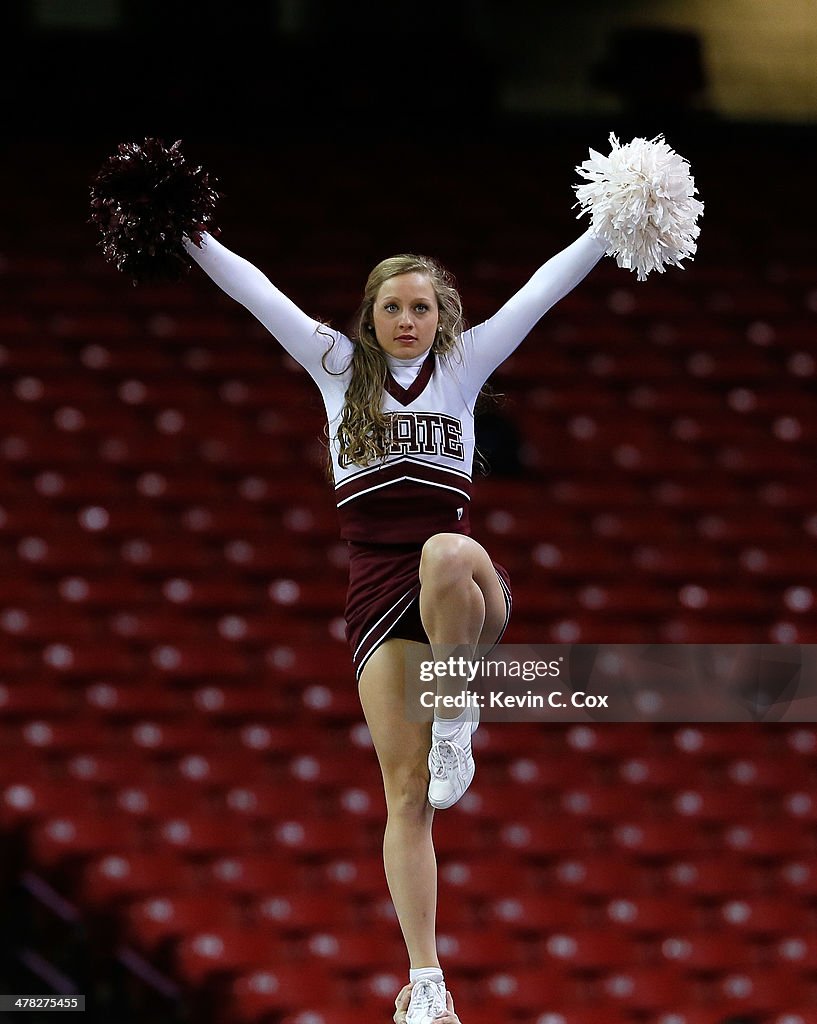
390,307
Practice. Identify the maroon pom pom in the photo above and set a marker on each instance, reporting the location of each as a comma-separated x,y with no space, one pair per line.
144,200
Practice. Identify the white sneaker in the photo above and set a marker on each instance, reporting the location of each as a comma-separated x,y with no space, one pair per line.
427,1002
451,766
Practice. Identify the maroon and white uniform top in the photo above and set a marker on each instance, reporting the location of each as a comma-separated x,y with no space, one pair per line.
423,485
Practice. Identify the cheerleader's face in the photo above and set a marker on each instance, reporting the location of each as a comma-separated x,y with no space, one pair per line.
405,315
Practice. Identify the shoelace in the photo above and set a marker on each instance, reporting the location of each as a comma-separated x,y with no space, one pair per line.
423,996
445,756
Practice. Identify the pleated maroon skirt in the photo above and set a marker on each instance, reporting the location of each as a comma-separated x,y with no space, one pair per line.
382,601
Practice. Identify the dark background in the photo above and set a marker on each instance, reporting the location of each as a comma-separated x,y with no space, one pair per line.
319,116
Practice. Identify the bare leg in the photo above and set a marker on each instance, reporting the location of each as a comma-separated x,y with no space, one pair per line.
408,850
462,603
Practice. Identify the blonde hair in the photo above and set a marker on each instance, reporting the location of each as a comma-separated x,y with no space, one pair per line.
364,431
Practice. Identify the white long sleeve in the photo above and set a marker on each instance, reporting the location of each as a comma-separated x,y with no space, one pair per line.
305,339
490,343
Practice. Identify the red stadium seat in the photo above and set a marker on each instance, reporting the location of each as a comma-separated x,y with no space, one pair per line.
760,839
595,949
715,803
706,952
534,912
474,951
117,701
324,768
501,741
651,915
152,801
711,875
766,773
62,736
482,877
219,768
334,704
647,839
315,838
352,951
300,912
303,662
162,739
253,873
81,835
153,625
691,1015
591,875
359,876
586,1015
607,740
324,1015
90,660
34,700
237,703
128,874
538,838
210,833
800,805
227,951
451,840
365,801
291,988
760,991
382,986
802,741
106,767
717,743
265,801
183,663
155,920
644,989
759,915
222,520
658,772
797,875
34,799
547,773
21,762
797,950
496,802
165,551
529,990
598,803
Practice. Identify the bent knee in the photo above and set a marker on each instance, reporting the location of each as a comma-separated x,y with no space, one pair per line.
445,556
406,791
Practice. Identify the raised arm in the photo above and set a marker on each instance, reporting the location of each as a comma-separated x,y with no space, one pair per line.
490,343
305,339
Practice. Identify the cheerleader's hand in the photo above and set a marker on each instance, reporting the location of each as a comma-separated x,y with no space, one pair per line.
449,1017
401,1006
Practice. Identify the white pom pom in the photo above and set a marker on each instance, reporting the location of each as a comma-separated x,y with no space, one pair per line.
641,202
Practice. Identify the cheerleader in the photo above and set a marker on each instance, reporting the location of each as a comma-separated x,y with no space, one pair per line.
399,394
399,397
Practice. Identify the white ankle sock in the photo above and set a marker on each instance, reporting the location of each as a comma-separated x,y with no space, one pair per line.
434,974
448,728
